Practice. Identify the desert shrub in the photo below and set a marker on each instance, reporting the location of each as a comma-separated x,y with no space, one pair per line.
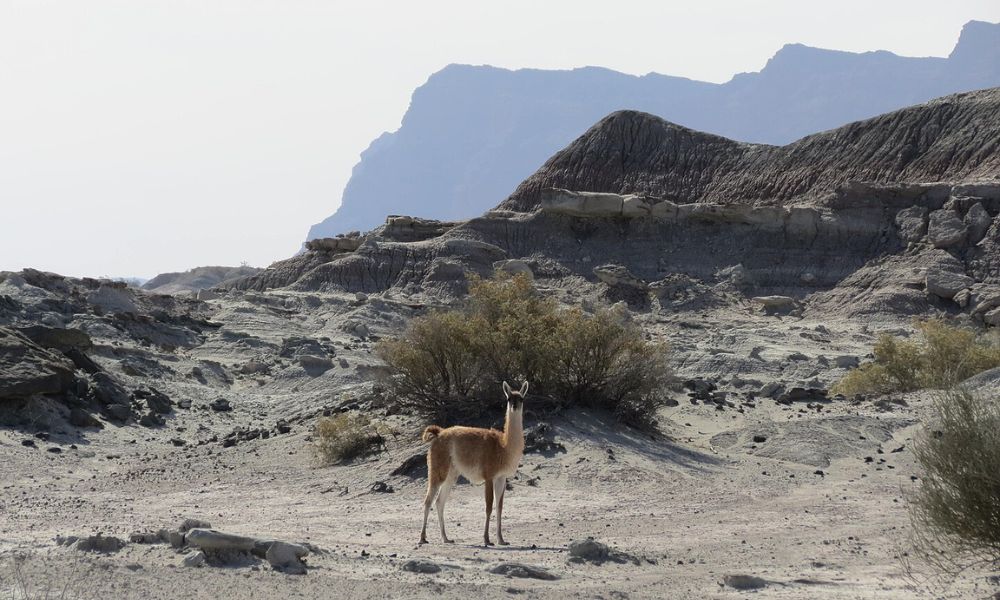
956,508
944,356
449,365
346,436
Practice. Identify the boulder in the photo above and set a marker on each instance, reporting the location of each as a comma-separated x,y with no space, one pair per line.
220,405
617,275
581,204
945,229
27,368
113,298
107,389
962,298
57,338
514,267
334,244
523,571
286,557
210,540
846,361
978,222
984,298
81,418
776,304
316,365
912,223
156,401
945,284
988,381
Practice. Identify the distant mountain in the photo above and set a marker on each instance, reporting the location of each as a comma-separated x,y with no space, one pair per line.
199,278
472,133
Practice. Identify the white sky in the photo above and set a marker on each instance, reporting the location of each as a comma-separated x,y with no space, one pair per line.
138,137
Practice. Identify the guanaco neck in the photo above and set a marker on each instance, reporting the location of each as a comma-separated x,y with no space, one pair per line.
513,432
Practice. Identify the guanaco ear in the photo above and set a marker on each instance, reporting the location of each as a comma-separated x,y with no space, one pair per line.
506,390
524,389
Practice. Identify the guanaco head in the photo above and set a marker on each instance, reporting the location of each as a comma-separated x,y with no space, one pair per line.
515,400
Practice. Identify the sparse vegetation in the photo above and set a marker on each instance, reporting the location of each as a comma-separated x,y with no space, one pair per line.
956,509
449,365
347,436
944,356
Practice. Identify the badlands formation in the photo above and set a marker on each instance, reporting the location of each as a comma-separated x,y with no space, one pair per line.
161,446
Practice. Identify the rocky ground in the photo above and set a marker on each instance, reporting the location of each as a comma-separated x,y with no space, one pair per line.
747,478
179,428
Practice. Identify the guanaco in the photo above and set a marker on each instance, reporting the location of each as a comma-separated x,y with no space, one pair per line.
481,456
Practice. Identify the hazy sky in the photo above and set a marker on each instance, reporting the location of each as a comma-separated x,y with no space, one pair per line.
138,137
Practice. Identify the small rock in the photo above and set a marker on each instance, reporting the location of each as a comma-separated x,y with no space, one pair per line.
100,543
759,439
523,571
286,557
744,582
220,405
589,549
421,566
194,559
189,524
29,443
381,487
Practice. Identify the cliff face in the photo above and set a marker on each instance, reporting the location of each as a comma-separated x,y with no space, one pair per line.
896,214
472,133
950,139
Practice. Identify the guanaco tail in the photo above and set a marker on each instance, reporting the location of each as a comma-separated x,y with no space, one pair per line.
481,456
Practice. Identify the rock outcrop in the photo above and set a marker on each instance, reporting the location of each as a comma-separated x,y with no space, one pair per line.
677,216
195,280
27,369
471,133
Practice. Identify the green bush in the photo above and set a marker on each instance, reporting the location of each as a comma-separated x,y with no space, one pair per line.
449,365
945,356
956,508
345,437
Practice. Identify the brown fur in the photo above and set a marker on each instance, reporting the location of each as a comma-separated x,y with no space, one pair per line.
480,455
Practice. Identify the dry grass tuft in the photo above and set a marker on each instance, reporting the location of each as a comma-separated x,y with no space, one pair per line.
956,509
347,436
944,356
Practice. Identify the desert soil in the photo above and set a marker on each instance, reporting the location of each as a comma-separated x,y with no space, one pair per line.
816,508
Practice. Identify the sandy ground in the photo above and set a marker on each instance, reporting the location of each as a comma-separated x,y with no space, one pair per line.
690,511
817,508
